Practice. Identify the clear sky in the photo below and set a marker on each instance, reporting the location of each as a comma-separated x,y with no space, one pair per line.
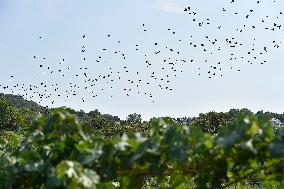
239,35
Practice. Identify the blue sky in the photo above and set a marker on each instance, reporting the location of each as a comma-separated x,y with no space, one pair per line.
61,24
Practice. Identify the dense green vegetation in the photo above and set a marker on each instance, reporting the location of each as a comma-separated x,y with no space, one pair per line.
62,148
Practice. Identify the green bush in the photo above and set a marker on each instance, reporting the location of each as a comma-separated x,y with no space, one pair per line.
10,119
61,153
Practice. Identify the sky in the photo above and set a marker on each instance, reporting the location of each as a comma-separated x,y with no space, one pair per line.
52,30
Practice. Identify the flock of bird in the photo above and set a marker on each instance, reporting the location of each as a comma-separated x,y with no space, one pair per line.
171,64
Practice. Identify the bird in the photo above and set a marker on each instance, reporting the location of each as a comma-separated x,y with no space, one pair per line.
163,60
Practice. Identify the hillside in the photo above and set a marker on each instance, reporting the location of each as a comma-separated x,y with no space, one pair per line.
21,103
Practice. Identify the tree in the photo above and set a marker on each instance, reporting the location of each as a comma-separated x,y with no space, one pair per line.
212,121
9,117
80,114
239,112
94,113
184,120
134,119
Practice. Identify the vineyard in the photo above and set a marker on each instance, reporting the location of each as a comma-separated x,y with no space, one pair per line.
154,94
58,150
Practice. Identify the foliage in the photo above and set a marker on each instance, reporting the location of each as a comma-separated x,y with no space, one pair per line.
212,121
63,148
20,103
117,130
271,115
62,153
239,112
9,141
133,118
10,119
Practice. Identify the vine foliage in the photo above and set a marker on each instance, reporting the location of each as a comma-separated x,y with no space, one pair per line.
59,152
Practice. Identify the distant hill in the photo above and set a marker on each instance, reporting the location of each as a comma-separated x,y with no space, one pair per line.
21,103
